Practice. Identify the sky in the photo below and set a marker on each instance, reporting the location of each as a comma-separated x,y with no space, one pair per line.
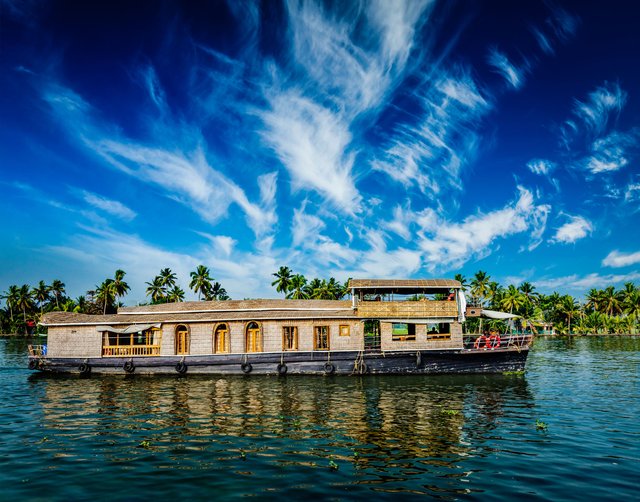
374,139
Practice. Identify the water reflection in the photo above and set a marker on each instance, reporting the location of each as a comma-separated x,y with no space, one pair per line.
388,428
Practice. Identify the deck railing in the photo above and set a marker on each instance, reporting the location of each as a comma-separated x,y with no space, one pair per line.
408,309
37,350
130,350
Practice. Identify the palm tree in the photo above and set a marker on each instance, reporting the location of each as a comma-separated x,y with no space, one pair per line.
594,300
200,281
41,294
106,294
611,301
283,280
462,280
631,304
119,286
24,302
57,288
313,289
479,286
10,297
176,294
569,308
297,289
81,305
155,290
216,292
168,278
335,288
512,299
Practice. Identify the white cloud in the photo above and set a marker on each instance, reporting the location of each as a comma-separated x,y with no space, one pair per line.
632,191
602,106
433,151
579,283
617,259
575,229
500,61
112,207
541,166
610,152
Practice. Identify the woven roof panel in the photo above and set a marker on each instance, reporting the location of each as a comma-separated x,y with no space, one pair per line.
403,283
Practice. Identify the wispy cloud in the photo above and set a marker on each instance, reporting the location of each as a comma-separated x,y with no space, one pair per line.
601,107
617,259
580,283
541,166
183,172
433,151
513,75
109,206
573,230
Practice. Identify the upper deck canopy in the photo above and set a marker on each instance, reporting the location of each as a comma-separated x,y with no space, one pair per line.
403,286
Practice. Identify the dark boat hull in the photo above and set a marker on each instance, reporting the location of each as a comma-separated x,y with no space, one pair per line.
431,362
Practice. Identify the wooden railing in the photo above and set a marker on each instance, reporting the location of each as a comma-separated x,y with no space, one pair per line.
408,309
37,350
130,350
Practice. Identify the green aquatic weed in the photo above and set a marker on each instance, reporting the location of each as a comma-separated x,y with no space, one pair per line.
333,465
144,444
450,412
540,425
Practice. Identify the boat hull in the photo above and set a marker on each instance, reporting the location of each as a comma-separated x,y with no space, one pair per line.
463,361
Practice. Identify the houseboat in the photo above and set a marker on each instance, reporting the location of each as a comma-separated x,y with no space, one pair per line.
387,327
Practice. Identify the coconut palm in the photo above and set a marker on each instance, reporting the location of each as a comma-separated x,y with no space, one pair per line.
40,294
462,280
297,290
10,296
512,299
175,294
119,286
569,308
631,304
200,281
155,290
106,294
283,280
168,278
479,286
593,300
216,292
611,301
24,301
314,289
57,288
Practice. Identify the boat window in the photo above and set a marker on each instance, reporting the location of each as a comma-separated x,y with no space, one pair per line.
403,332
139,343
289,338
345,330
221,338
182,339
441,331
253,337
321,338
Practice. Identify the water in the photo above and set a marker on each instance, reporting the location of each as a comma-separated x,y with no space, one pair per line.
459,437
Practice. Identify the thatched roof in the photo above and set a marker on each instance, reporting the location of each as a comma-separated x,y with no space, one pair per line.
259,312
404,286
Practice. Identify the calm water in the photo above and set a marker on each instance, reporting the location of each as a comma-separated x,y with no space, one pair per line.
122,438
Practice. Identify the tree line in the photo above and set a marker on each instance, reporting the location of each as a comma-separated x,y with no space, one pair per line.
603,311
24,305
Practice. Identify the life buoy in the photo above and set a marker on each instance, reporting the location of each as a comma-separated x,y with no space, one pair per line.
246,367
129,367
282,369
329,368
494,341
181,367
364,369
84,369
33,364
481,341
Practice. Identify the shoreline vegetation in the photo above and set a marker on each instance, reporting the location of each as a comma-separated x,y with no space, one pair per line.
607,311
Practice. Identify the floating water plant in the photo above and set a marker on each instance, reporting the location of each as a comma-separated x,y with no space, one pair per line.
144,444
450,412
518,373
243,455
540,425
333,465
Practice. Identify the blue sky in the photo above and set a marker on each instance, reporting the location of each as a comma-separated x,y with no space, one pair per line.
348,139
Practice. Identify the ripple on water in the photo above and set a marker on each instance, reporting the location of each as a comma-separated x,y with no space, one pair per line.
119,438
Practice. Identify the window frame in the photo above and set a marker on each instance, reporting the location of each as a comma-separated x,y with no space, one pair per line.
316,338
285,345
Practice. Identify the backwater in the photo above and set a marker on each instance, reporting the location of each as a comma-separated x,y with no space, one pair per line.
567,429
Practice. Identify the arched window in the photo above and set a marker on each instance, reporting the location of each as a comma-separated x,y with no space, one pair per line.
253,337
182,339
221,338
